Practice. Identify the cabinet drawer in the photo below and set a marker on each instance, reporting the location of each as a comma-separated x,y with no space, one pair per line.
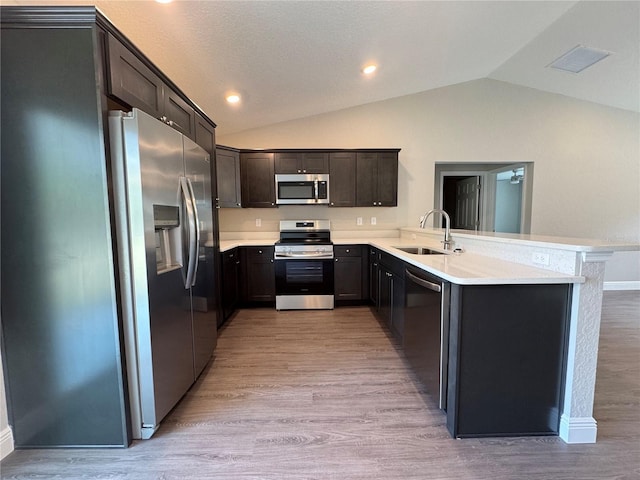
347,251
230,255
259,254
393,264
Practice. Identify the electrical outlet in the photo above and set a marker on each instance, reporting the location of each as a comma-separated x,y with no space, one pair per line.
258,222
373,220
359,221
540,258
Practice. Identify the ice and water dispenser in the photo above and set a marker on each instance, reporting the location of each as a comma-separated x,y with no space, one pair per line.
166,220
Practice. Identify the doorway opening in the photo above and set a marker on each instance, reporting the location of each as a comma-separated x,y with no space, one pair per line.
461,200
492,197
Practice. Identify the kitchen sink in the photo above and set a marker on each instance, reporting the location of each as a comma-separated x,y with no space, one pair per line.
420,251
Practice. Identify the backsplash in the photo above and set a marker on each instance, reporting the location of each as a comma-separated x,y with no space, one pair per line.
342,219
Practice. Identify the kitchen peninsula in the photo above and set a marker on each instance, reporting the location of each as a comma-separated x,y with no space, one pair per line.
505,259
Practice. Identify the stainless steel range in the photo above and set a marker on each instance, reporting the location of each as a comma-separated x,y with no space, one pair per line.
304,265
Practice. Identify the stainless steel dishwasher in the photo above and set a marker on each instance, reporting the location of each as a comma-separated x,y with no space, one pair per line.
426,331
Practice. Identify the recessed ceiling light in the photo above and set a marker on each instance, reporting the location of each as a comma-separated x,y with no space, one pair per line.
369,69
164,1
578,58
233,98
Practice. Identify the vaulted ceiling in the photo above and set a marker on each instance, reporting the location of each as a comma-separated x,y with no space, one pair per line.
292,59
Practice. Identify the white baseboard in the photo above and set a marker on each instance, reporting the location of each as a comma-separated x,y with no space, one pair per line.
578,429
6,442
628,285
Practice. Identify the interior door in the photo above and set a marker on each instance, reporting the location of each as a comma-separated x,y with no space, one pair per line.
198,171
468,204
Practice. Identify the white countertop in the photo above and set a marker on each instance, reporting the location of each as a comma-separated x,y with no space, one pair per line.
257,242
463,269
563,243
470,268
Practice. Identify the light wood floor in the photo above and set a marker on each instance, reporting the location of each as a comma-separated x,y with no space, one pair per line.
327,395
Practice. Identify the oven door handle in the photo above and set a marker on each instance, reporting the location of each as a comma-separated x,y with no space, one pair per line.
305,255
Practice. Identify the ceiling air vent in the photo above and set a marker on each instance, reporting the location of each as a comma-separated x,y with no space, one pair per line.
578,58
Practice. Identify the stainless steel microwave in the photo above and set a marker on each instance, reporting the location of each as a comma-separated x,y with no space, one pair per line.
302,189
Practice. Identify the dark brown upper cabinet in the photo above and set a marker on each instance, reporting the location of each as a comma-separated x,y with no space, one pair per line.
257,180
302,162
376,179
205,134
342,179
134,83
228,177
178,113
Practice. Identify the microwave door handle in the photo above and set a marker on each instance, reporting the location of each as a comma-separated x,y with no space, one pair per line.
191,229
315,188
196,220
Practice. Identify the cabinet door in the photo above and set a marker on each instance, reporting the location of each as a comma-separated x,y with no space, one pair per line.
348,272
230,282
397,307
315,162
374,272
260,277
342,179
205,134
385,294
179,114
257,180
507,354
366,179
387,180
288,162
131,81
228,178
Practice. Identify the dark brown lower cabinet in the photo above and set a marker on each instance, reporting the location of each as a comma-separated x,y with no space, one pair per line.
391,289
258,274
350,273
507,351
374,258
230,282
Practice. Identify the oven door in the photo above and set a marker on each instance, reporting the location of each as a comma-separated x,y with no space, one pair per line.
304,276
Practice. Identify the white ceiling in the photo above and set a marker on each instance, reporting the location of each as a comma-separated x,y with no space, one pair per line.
291,59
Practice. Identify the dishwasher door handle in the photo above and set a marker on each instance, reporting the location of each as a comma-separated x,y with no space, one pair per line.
422,282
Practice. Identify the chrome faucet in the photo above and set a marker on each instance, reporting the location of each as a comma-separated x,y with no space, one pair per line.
447,242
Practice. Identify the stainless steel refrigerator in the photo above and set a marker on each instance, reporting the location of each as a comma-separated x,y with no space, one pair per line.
69,353
164,230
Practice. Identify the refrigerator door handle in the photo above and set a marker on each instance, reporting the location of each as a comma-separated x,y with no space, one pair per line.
196,248
192,259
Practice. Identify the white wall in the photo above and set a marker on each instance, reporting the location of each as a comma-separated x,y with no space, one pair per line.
587,156
508,206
